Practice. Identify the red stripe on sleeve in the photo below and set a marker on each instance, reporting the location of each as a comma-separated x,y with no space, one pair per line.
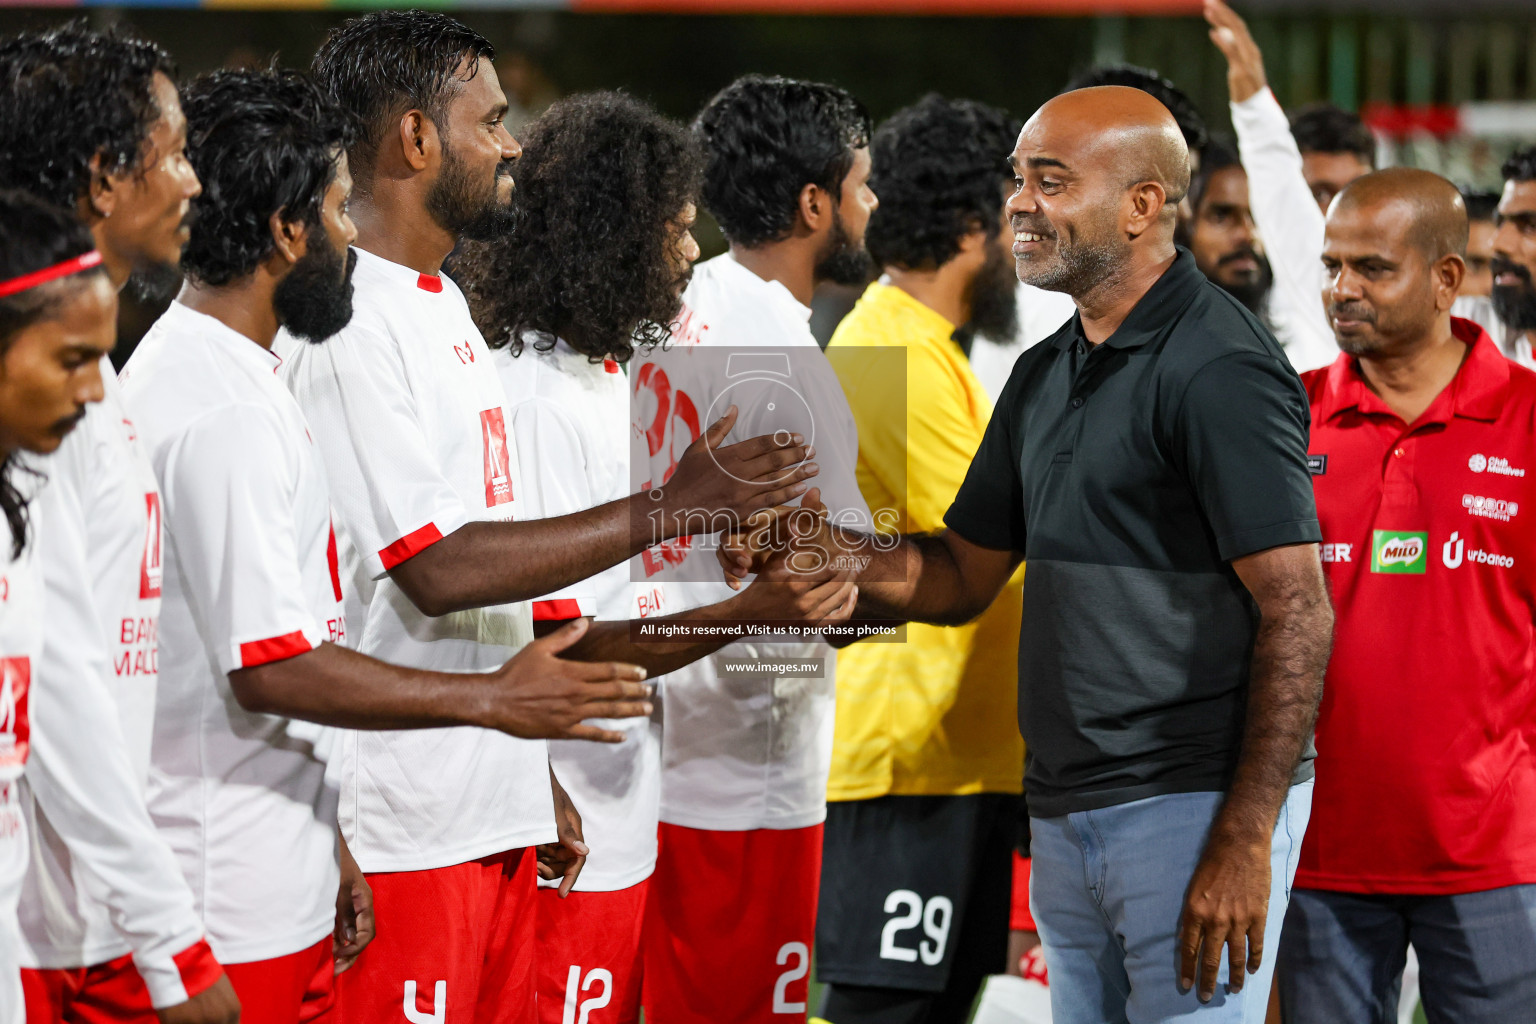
262,652
556,611
198,967
333,561
413,543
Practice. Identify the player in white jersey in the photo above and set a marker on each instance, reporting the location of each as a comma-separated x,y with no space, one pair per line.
253,671
412,422
58,317
562,319
746,757
108,925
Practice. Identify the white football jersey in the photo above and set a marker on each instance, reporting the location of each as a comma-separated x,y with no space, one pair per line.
409,414
102,880
571,420
742,751
21,644
250,577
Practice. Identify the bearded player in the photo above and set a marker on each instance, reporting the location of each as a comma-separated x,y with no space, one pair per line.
254,667
109,925
412,423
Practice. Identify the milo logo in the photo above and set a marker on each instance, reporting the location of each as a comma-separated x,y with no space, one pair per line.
1396,552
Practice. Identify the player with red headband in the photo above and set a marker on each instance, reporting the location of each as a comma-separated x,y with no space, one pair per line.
110,927
57,318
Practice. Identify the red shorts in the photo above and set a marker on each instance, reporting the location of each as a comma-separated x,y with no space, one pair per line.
293,989
1019,917
454,946
729,925
589,955
109,993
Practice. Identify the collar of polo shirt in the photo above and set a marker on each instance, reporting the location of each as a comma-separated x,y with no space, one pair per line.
1158,308
1477,391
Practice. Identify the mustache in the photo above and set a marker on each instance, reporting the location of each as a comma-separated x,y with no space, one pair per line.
1034,225
1245,253
1352,311
1499,265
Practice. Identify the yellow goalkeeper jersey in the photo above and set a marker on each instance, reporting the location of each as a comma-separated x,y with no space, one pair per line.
937,714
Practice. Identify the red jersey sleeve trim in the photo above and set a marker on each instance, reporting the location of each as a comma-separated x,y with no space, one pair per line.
198,968
263,652
558,610
413,543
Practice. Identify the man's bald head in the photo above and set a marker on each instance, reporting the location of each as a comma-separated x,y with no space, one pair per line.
1100,173
1435,213
1128,128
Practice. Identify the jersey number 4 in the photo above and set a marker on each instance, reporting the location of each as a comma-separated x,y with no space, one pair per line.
935,916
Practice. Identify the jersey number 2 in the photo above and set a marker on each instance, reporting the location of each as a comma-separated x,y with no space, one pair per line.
787,952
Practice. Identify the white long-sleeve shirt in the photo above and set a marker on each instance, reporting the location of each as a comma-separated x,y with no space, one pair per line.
1291,226
102,881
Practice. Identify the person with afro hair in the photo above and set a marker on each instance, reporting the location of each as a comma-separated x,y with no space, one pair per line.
594,270
925,781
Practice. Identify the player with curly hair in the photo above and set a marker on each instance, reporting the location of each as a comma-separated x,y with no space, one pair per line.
562,316
58,317
926,765
133,945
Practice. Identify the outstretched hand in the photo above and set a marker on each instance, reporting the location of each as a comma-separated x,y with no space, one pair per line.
733,481
538,695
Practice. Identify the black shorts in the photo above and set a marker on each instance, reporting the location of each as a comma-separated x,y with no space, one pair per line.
913,887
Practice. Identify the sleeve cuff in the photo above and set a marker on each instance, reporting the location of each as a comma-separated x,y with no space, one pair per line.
276,648
562,608
412,544
1247,542
997,541
185,975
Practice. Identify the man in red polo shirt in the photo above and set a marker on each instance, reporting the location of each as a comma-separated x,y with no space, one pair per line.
1423,456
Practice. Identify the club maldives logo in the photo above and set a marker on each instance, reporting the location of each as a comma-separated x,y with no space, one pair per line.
149,566
1492,464
15,730
1393,551
498,458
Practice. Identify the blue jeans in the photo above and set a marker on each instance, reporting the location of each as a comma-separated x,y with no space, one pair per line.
1107,888
1341,957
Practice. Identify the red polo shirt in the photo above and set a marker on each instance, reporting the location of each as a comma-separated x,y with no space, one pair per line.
1426,741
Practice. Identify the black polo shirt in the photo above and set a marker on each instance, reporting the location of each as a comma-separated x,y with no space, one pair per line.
1130,474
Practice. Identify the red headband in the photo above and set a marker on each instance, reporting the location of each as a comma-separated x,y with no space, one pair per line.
85,261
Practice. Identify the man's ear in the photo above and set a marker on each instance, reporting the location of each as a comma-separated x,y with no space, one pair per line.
420,143
815,208
290,238
101,193
1145,203
1447,273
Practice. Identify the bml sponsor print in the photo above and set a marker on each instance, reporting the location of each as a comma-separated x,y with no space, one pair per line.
1399,552
498,458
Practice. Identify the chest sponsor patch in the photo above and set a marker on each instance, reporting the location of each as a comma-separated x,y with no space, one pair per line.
1481,463
1394,551
1317,465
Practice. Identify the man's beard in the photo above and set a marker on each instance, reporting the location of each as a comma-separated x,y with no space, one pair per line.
1080,266
1514,304
154,283
1253,292
994,295
842,260
315,300
465,208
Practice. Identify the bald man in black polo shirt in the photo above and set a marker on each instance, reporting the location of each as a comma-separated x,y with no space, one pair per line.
1150,463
